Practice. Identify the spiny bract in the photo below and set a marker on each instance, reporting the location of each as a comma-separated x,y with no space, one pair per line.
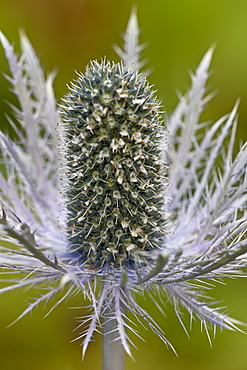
116,181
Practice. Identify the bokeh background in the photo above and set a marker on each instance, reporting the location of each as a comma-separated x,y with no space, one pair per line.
66,36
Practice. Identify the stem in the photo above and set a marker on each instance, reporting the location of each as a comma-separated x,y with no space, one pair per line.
113,351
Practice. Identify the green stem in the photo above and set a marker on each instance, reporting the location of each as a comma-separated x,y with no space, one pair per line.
113,351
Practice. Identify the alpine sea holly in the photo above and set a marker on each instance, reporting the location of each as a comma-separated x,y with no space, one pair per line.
112,203
116,184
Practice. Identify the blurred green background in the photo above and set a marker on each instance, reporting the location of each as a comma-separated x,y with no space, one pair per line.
66,36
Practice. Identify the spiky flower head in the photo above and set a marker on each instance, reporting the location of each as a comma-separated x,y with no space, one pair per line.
101,224
115,192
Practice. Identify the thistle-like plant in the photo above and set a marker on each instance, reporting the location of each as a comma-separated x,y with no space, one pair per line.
112,203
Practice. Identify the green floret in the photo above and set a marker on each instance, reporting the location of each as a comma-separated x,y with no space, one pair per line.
116,180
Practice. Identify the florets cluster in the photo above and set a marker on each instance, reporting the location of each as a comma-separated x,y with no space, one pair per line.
116,180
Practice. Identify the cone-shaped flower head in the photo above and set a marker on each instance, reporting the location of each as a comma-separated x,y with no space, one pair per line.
115,193
103,228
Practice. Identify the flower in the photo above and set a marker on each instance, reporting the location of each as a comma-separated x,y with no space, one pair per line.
97,200
115,182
